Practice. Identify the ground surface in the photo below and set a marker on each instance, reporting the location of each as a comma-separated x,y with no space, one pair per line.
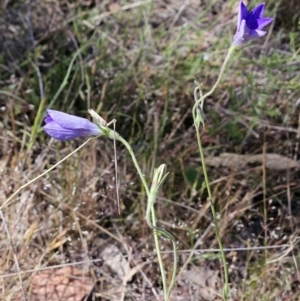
61,237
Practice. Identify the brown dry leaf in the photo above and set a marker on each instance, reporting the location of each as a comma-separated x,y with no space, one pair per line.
117,266
64,284
114,259
235,161
205,282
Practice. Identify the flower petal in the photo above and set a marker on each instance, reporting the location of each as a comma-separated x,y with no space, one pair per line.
263,22
258,11
243,13
258,34
72,122
48,118
254,15
62,126
56,131
239,37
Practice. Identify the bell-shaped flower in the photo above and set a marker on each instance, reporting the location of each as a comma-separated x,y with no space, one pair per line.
62,126
250,24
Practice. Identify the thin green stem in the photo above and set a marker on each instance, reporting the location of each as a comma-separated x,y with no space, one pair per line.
175,263
127,145
158,179
197,124
160,262
153,217
225,289
230,51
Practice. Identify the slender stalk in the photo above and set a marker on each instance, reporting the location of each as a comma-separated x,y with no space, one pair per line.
159,177
212,90
153,217
225,289
127,145
160,262
196,106
175,263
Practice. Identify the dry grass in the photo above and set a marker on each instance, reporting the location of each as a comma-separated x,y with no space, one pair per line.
136,62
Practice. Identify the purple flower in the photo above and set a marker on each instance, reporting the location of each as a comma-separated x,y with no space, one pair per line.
250,24
62,126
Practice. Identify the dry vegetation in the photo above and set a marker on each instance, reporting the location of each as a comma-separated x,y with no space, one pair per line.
61,237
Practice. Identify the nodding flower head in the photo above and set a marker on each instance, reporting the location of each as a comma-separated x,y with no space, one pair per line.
250,24
62,126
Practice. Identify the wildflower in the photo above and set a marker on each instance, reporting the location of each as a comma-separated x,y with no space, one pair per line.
250,24
62,126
